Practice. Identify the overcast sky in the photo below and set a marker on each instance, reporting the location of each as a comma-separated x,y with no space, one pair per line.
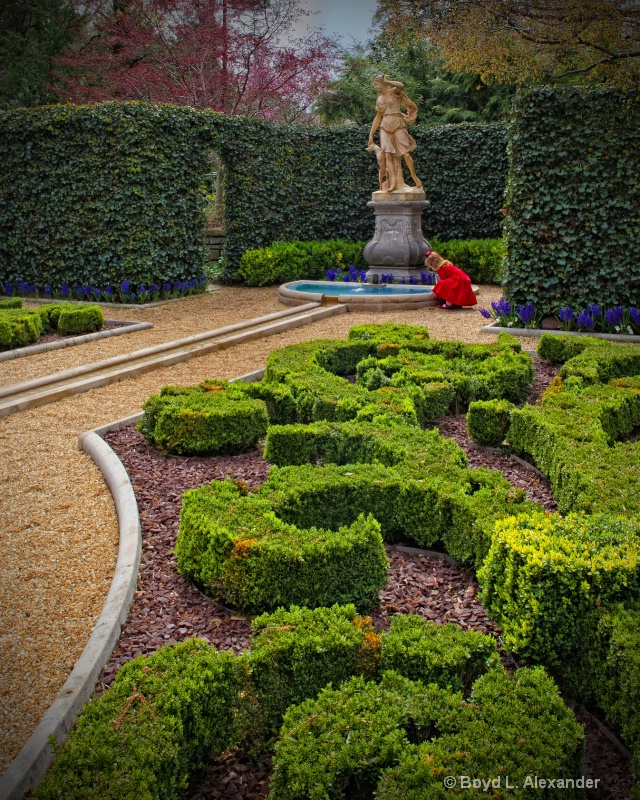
350,19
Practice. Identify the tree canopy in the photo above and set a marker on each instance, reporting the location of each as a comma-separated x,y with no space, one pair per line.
229,55
525,41
442,96
32,32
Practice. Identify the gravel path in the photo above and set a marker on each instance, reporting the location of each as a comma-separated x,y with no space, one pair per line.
58,529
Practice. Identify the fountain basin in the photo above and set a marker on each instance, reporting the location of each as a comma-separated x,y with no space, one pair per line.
357,296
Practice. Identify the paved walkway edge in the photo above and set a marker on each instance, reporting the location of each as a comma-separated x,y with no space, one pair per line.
32,350
32,762
611,337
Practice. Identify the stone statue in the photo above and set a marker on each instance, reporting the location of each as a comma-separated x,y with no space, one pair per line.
396,142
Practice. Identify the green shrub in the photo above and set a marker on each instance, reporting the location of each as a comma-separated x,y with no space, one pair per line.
557,348
481,259
50,313
336,746
80,320
572,439
11,302
334,496
163,718
445,654
296,653
472,514
280,262
211,419
618,673
19,328
238,549
406,737
488,421
544,575
514,727
289,261
604,362
572,227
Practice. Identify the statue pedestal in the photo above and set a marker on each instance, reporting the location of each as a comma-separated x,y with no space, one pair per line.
398,246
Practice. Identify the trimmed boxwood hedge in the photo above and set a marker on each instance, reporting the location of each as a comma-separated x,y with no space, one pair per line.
546,578
422,650
20,327
544,575
296,652
607,671
164,717
573,199
400,739
235,546
151,732
305,537
280,262
488,421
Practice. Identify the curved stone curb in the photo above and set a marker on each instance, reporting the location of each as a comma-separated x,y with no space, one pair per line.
153,350
32,762
34,759
611,337
420,551
125,327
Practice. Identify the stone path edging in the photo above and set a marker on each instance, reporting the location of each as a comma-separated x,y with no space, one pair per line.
48,388
34,349
612,337
32,762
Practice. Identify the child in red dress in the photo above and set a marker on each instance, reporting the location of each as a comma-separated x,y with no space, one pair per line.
453,288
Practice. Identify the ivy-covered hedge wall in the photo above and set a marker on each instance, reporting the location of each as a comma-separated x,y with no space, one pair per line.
100,194
111,192
573,200
310,183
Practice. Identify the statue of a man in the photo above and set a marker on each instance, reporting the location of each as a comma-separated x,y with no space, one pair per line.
395,140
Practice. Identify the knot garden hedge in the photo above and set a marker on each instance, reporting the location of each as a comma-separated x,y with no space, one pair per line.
356,466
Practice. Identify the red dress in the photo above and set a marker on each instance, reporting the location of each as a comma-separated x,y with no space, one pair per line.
454,286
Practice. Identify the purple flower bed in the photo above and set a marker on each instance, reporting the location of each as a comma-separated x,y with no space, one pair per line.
125,292
592,319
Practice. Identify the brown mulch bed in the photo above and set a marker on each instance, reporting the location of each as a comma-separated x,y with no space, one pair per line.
167,608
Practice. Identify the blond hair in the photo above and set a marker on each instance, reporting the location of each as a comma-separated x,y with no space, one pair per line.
435,261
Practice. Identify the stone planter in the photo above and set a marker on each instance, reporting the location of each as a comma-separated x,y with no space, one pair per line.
493,327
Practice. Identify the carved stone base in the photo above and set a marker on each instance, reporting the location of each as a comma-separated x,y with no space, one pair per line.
409,193
398,246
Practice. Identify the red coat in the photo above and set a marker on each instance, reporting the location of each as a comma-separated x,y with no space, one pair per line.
454,286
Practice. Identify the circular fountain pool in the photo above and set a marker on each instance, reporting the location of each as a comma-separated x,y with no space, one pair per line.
358,296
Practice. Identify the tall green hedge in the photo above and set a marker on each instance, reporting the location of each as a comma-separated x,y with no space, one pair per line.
573,200
103,193
311,183
110,192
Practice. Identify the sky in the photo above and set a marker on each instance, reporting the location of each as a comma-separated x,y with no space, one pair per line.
350,19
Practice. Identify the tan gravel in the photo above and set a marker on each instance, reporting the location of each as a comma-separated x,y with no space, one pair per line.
58,528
